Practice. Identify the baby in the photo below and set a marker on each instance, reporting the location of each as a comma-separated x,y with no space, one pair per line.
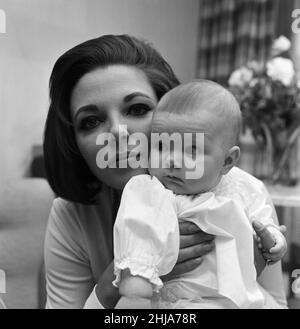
146,231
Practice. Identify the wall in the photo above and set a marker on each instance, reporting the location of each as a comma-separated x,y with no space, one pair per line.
38,31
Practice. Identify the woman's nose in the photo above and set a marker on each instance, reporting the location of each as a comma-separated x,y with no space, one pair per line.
118,128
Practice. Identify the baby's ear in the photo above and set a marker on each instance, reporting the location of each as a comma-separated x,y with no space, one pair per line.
231,159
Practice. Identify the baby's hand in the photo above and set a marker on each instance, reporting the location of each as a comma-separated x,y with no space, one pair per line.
278,251
271,241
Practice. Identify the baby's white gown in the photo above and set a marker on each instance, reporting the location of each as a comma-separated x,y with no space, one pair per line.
146,240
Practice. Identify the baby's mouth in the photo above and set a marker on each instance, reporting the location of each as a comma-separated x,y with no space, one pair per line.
174,178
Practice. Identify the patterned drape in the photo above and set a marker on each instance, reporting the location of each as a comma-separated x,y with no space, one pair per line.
232,32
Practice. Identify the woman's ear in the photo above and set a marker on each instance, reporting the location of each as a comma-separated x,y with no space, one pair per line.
231,159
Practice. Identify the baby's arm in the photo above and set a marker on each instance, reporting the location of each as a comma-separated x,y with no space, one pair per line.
136,292
269,235
271,241
146,240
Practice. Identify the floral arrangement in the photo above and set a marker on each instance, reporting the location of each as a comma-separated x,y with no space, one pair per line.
269,97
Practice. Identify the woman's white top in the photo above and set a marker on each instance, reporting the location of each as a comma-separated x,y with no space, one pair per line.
146,239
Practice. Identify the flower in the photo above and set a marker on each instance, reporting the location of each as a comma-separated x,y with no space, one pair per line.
268,93
281,69
269,96
280,45
240,77
256,67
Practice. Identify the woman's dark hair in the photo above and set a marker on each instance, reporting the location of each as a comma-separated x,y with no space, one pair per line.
66,170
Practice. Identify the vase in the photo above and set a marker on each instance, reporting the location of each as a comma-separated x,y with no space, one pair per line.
287,173
254,159
259,159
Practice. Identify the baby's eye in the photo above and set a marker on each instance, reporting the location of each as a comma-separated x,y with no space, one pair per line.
138,109
191,149
192,152
89,123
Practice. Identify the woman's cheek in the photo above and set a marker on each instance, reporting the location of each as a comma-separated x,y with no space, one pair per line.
88,149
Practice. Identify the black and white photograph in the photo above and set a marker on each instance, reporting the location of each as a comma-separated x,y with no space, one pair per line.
150,157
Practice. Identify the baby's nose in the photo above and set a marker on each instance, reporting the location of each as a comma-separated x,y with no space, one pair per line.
175,160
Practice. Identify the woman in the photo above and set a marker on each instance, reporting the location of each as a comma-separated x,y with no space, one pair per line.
97,87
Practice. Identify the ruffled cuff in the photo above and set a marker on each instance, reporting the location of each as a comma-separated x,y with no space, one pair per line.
136,267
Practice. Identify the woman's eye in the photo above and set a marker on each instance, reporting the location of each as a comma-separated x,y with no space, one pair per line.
138,109
89,123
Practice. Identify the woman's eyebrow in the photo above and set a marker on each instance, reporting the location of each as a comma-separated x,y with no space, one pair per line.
129,97
86,108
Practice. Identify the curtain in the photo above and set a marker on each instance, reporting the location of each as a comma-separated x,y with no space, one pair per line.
233,32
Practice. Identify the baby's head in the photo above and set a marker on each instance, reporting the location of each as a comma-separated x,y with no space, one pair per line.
204,107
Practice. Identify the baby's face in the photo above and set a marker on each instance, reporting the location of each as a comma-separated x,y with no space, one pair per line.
210,157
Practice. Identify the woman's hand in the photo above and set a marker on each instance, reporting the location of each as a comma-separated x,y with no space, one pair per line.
194,244
107,294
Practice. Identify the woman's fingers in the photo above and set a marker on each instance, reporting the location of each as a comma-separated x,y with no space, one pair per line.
271,257
187,266
195,251
188,228
191,234
194,244
194,239
181,268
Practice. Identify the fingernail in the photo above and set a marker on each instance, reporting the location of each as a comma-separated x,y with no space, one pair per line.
209,246
258,225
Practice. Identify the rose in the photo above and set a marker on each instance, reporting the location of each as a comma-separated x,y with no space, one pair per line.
240,77
280,45
281,69
257,67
